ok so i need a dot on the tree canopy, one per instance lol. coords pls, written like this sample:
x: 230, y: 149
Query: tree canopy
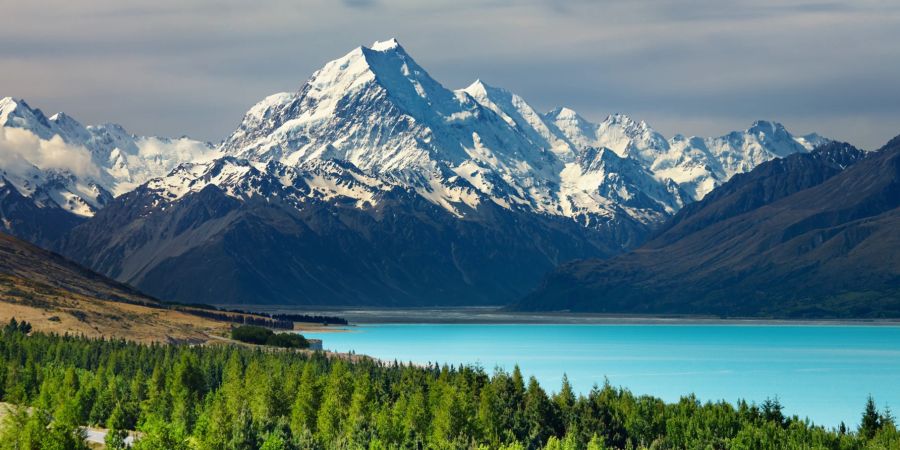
x: 238, y: 397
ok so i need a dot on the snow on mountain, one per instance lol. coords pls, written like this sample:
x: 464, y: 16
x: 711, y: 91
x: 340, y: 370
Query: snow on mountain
x: 378, y: 110
x: 50, y: 172
x: 520, y: 115
x: 701, y: 164
x: 602, y: 177
x: 58, y: 162
x: 16, y: 113
x: 617, y: 132
x: 243, y: 180
x: 131, y: 160
x: 374, y: 120
x: 742, y: 151
x: 696, y: 164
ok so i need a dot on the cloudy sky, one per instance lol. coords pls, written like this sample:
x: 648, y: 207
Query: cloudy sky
x: 701, y: 67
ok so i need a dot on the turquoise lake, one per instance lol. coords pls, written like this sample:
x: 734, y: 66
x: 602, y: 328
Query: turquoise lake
x: 824, y: 373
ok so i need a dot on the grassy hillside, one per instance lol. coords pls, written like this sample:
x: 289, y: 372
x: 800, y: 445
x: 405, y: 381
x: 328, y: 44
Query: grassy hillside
x: 56, y: 295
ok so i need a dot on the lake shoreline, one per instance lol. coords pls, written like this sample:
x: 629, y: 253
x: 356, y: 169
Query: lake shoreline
x: 498, y: 316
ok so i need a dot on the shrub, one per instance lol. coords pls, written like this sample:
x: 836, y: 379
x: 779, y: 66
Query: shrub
x: 252, y: 334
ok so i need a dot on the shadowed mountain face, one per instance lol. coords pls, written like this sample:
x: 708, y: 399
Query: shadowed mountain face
x: 23, y: 218
x: 810, y: 235
x: 265, y: 250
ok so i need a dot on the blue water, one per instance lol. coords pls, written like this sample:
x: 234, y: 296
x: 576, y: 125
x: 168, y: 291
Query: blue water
x: 824, y: 373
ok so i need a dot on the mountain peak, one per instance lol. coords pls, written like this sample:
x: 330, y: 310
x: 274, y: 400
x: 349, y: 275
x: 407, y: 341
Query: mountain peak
x: 620, y: 119
x: 383, y: 46
x: 396, y: 74
x: 564, y: 113
x: 7, y: 106
x: 385, y: 62
x: 480, y: 89
x: 8, y: 102
x: 15, y: 112
x: 63, y: 119
x: 766, y: 126
x: 477, y: 85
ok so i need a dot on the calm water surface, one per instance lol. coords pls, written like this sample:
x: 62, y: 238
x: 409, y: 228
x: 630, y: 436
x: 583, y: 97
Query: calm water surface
x: 820, y: 372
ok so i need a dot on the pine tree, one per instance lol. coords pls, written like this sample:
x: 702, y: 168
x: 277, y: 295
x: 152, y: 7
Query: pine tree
x: 773, y: 411
x: 157, y: 434
x: 116, y: 434
x: 274, y: 440
x: 359, y: 418
x: 887, y: 417
x: 596, y: 443
x: 565, y: 402
x: 186, y: 391
x: 540, y: 415
x: 335, y: 403
x: 871, y: 420
x: 306, y: 405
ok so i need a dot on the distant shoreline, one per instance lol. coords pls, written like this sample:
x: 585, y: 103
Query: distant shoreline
x: 498, y: 316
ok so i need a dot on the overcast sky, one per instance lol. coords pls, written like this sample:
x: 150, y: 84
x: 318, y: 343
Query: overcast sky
x: 697, y: 67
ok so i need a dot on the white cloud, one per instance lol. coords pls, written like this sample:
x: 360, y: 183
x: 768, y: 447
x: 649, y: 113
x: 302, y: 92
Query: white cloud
x: 20, y: 149
x: 176, y: 150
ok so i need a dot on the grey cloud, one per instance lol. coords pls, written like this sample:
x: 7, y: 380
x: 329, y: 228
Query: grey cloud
x: 691, y: 66
x: 360, y: 3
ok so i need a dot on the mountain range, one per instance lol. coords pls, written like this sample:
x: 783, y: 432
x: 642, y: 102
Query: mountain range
x: 56, y: 172
x: 372, y: 184
x: 809, y: 235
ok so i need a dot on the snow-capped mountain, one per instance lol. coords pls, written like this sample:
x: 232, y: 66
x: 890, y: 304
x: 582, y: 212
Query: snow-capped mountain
x: 696, y: 164
x: 377, y: 109
x: 373, y: 183
x: 122, y: 160
x: 56, y: 163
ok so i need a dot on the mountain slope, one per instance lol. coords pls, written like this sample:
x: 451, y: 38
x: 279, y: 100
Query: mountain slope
x: 798, y: 237
x: 28, y: 219
x: 767, y: 183
x: 24, y: 261
x: 56, y: 295
x: 273, y: 235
